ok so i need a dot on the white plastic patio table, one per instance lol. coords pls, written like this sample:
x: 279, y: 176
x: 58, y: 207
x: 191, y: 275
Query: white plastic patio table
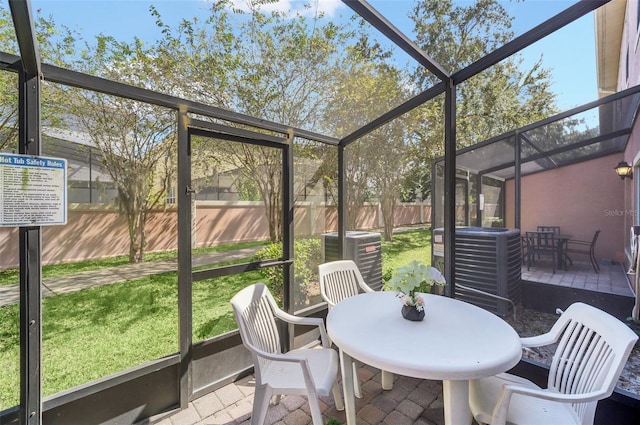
x: 455, y: 342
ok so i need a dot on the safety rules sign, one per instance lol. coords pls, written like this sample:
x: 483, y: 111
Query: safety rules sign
x: 33, y: 190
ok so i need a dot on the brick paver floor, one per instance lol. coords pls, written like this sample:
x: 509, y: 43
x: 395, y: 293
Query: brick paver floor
x: 411, y: 401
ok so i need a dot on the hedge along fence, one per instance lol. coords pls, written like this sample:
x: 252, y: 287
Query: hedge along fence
x: 96, y: 231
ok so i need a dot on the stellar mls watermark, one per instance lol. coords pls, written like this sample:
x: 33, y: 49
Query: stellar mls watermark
x: 619, y: 213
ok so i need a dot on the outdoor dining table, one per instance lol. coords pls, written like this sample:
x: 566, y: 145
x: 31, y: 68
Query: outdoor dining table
x: 456, y: 342
x: 562, y: 240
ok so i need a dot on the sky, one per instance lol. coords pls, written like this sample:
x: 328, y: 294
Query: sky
x: 570, y: 52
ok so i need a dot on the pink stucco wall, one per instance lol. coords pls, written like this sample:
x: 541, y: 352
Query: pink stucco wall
x: 99, y: 231
x: 629, y: 76
x: 90, y: 232
x: 581, y: 199
x: 632, y: 156
x: 217, y: 222
x: 410, y: 214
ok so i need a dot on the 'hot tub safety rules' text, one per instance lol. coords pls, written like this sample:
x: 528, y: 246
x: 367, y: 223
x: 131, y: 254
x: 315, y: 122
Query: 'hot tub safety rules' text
x: 33, y: 190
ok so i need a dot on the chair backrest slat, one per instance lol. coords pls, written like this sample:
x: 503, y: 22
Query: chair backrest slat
x: 590, y: 355
x: 542, y: 241
x: 586, y: 368
x: 341, y: 284
x: 573, y: 356
x: 554, y: 229
x: 339, y: 280
x: 261, y: 326
x: 254, y: 308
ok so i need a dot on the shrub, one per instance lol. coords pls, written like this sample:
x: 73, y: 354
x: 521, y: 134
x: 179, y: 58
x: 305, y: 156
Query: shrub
x: 387, y: 270
x: 305, y: 264
x: 273, y: 275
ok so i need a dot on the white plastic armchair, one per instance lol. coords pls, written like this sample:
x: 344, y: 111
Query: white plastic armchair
x: 339, y: 280
x: 593, y: 348
x: 306, y: 371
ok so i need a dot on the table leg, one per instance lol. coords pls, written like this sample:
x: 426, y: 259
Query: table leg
x: 387, y: 380
x: 346, y: 364
x: 456, y: 402
x: 562, y: 258
x: 559, y: 255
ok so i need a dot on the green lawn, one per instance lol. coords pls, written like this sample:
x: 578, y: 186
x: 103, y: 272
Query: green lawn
x: 12, y: 276
x: 95, y: 332
x: 406, y: 247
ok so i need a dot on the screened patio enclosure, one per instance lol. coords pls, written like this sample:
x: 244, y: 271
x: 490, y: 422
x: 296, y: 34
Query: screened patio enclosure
x: 594, y: 130
x: 198, y: 361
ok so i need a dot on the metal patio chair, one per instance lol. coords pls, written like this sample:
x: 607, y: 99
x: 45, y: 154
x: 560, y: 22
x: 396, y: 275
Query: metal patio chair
x: 543, y: 243
x: 586, y: 248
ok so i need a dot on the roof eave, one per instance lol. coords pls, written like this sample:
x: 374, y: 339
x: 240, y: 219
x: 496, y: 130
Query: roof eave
x: 609, y: 26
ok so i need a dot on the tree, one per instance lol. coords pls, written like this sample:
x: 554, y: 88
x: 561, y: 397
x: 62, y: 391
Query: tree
x: 375, y: 168
x: 382, y: 159
x: 56, y: 46
x: 390, y: 169
x: 262, y: 166
x: 197, y: 58
x: 137, y: 140
x: 500, y: 99
x: 8, y: 111
x: 350, y: 97
x: 281, y: 70
x: 137, y: 143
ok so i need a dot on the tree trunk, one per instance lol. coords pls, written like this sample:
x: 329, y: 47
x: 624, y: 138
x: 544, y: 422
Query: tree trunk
x: 136, y: 217
x: 388, y: 218
x: 135, y: 240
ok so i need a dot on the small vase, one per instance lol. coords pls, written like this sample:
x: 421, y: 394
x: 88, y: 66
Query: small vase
x: 411, y: 313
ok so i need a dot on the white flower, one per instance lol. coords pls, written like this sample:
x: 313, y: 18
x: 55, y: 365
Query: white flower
x: 411, y: 279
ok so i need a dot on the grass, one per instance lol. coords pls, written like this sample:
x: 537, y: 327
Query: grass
x: 136, y: 321
x: 405, y: 247
x: 123, y: 325
x: 12, y: 276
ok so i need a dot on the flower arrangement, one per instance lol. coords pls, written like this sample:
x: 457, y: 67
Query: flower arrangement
x: 411, y: 279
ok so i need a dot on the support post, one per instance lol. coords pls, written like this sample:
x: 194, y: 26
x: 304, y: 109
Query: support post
x: 30, y: 265
x: 185, y: 291
x: 517, y: 183
x: 342, y: 201
x: 449, y: 186
x: 29, y: 143
x: 288, y: 299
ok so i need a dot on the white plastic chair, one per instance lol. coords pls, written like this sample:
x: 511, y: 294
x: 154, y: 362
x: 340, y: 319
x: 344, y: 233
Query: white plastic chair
x: 593, y: 348
x: 339, y: 280
x: 306, y: 371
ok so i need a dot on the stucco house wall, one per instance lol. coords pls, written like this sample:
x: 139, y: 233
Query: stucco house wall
x: 629, y: 76
x: 581, y: 199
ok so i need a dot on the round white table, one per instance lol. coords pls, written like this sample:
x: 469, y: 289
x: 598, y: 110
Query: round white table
x: 455, y: 342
